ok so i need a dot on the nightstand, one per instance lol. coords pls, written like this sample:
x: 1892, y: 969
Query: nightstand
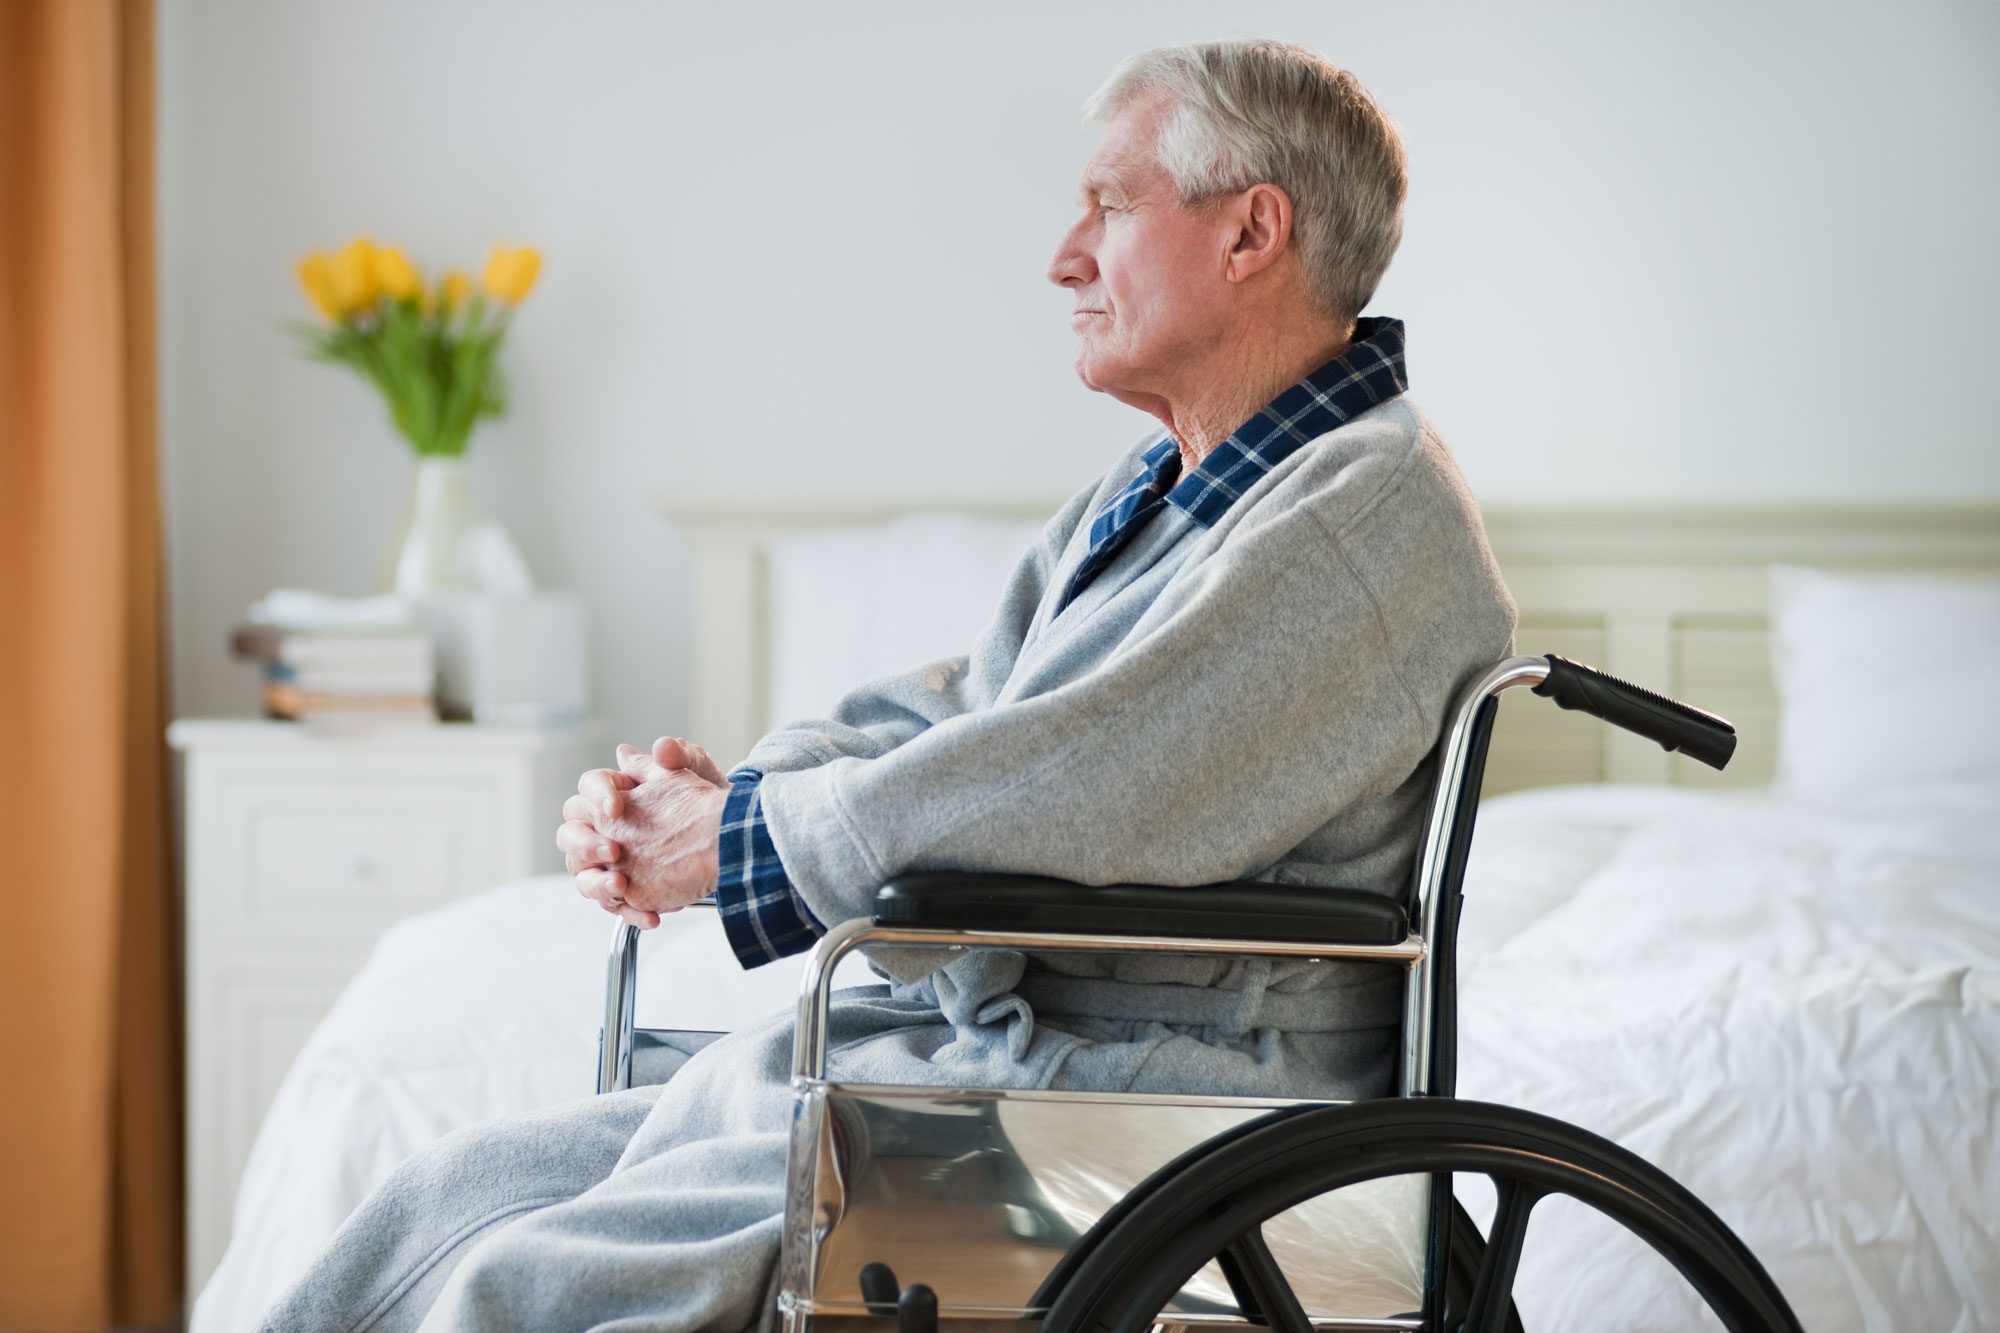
x: 302, y: 848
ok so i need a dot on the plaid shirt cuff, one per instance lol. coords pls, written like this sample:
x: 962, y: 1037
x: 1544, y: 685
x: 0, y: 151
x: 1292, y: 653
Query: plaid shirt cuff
x: 762, y: 914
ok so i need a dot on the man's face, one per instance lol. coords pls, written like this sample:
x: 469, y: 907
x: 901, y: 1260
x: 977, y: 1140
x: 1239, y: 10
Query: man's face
x: 1146, y: 273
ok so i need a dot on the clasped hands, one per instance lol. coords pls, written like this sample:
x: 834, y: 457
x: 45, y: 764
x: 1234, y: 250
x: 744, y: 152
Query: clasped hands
x: 644, y: 838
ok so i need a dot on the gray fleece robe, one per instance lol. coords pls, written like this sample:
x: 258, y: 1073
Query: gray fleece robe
x: 1257, y: 699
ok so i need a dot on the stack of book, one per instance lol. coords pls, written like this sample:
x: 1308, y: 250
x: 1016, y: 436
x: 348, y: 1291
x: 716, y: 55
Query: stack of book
x: 360, y: 676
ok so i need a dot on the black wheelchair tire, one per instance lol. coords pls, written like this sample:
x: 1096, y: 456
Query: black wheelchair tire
x: 1209, y: 1203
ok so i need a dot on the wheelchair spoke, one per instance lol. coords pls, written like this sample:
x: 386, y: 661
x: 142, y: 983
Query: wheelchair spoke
x: 1487, y: 1311
x: 1259, y: 1284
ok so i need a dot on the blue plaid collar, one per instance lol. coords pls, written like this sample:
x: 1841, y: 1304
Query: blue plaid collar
x: 1370, y: 371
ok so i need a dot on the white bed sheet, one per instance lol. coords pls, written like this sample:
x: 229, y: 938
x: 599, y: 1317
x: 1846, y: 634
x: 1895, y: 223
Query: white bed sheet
x: 1794, y: 1010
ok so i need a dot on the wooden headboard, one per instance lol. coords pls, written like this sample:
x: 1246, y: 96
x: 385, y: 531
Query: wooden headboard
x: 1670, y: 596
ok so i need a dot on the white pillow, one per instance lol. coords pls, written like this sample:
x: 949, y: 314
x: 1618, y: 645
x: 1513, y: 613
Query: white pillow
x: 852, y: 603
x: 1884, y: 681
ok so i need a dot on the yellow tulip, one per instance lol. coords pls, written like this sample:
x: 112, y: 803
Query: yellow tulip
x: 453, y: 290
x: 396, y: 275
x: 355, y: 282
x: 511, y: 274
x: 316, y: 276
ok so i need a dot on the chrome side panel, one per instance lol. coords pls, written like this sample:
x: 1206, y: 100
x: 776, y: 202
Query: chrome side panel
x: 979, y: 1193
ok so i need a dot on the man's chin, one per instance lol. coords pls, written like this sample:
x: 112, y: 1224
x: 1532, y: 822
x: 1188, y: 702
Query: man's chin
x: 1095, y: 375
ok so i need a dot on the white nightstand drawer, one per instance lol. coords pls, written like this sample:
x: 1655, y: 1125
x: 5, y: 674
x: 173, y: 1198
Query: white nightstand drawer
x: 300, y: 852
x: 400, y: 851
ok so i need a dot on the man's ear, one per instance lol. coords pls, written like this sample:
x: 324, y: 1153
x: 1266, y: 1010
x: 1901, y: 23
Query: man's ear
x: 1262, y: 229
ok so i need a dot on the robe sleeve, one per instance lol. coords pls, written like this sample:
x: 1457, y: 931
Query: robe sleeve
x: 763, y: 915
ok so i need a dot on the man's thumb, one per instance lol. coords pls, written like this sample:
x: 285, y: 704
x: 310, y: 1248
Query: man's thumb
x: 633, y: 760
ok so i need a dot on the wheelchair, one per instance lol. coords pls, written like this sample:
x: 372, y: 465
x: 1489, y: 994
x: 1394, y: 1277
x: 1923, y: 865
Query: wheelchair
x: 1105, y: 1213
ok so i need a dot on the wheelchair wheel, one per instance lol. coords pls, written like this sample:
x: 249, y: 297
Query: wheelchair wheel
x: 1211, y: 1204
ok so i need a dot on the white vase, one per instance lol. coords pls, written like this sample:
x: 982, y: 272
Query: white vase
x: 443, y: 514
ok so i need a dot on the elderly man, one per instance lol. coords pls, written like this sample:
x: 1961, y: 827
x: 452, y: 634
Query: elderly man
x: 1230, y: 658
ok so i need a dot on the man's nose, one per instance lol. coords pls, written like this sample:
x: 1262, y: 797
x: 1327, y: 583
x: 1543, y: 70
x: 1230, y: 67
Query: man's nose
x: 1072, y: 266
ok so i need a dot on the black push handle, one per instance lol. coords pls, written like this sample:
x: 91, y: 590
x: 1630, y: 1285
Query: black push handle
x: 1675, y: 725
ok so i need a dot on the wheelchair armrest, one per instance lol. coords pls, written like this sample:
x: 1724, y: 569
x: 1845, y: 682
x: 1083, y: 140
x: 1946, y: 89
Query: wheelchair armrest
x: 1248, y: 910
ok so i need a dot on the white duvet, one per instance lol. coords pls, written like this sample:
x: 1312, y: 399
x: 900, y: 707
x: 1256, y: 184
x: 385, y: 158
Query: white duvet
x: 1793, y: 1009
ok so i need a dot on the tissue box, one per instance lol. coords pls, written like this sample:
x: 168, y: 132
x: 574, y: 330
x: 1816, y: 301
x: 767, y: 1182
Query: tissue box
x: 510, y: 661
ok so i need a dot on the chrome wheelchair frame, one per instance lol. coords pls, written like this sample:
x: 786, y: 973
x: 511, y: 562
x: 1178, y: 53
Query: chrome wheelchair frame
x: 1209, y: 1210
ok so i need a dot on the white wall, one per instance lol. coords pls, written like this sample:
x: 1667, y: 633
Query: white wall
x: 1697, y: 251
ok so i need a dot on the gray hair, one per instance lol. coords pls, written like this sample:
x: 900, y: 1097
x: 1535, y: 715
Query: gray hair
x: 1244, y: 113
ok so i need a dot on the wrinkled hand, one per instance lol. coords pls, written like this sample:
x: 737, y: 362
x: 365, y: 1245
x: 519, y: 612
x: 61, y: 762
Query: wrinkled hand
x: 643, y: 839
x: 604, y: 788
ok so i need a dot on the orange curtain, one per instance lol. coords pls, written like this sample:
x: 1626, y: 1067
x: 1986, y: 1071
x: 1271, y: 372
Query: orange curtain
x: 89, y: 1030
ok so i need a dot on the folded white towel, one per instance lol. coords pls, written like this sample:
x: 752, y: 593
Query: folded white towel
x: 295, y: 608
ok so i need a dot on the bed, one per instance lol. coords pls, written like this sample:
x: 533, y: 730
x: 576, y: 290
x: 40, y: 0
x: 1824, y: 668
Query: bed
x: 1785, y: 992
